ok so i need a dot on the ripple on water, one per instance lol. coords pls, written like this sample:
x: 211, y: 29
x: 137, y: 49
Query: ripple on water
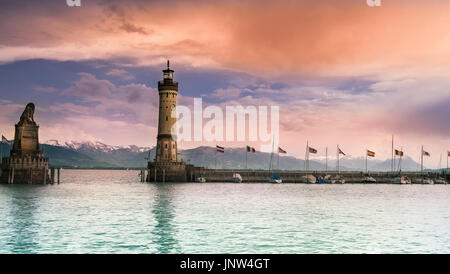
x: 111, y: 212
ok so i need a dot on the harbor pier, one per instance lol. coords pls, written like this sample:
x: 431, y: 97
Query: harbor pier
x: 191, y: 174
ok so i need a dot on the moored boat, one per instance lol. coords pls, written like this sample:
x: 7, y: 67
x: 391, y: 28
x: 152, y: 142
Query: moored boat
x: 440, y: 181
x: 201, y: 179
x: 424, y: 181
x: 339, y: 179
x: 329, y: 180
x: 320, y: 180
x: 369, y: 180
x: 237, y: 178
x: 400, y: 180
x: 308, y: 179
x: 275, y: 179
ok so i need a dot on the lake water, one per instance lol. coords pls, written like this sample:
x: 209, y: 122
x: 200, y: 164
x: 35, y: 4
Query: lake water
x: 112, y: 212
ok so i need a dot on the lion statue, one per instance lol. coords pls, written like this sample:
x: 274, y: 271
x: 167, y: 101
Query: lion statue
x: 27, y: 115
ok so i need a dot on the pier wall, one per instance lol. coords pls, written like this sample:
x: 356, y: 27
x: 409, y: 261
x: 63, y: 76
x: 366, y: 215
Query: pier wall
x: 191, y: 173
x: 295, y: 176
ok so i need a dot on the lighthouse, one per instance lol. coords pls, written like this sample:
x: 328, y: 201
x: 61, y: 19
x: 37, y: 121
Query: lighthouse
x: 166, y: 167
x: 166, y: 148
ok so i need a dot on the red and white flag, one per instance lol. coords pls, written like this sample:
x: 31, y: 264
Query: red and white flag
x: 341, y: 152
x: 425, y: 153
x: 312, y: 150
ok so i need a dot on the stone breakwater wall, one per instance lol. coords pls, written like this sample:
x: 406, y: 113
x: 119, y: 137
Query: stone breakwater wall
x: 260, y: 176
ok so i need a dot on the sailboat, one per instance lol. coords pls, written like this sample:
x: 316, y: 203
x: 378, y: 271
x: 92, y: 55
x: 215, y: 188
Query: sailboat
x: 308, y: 178
x: 274, y: 178
x: 399, y: 178
x: 439, y: 180
x: 338, y: 179
x: 424, y: 179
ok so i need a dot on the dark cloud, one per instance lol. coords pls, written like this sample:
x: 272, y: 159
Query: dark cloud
x: 129, y: 27
x: 89, y: 87
x: 427, y: 119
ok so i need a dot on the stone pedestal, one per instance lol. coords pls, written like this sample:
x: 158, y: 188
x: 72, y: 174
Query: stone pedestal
x: 25, y: 170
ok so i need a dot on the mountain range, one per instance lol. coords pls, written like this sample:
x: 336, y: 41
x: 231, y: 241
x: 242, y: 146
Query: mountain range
x: 99, y: 155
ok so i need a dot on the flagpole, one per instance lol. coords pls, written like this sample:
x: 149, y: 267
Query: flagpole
x: 304, y: 164
x: 326, y: 159
x: 337, y: 167
x: 1, y: 151
x: 366, y: 158
x: 215, y: 161
x: 421, y: 162
x: 392, y: 154
x: 246, y: 163
x: 307, y: 154
x: 246, y: 158
x: 278, y: 161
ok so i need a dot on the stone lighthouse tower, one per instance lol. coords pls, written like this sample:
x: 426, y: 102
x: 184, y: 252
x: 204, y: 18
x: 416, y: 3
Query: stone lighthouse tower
x: 166, y: 166
x: 166, y: 148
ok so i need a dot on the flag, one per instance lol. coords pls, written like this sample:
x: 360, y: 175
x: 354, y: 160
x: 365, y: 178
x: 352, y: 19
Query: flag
x: 341, y: 152
x: 399, y: 153
x: 280, y: 150
x: 448, y: 153
x: 251, y: 149
x: 425, y: 153
x: 4, y: 139
x: 220, y: 149
x: 312, y: 150
x: 370, y: 153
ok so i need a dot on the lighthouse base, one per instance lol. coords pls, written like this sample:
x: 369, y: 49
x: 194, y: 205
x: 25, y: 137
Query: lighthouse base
x: 168, y: 172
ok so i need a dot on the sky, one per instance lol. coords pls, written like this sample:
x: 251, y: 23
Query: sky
x: 341, y: 72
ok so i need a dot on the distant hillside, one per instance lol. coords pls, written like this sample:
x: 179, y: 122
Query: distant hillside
x: 234, y: 158
x: 99, y: 155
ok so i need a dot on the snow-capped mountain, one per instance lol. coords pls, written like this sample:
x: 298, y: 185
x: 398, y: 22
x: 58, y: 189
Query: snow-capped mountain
x: 95, y: 146
x: 100, y: 155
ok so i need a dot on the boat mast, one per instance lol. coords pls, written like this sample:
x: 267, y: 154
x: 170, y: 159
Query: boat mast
x: 392, y: 154
x: 271, y: 154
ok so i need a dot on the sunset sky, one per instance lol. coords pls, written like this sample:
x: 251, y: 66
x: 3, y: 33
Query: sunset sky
x: 340, y: 71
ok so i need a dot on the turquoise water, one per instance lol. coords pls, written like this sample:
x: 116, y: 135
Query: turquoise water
x: 111, y: 212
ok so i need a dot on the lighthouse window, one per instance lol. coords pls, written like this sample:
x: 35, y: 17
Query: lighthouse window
x: 167, y: 94
x: 167, y: 118
x: 166, y: 145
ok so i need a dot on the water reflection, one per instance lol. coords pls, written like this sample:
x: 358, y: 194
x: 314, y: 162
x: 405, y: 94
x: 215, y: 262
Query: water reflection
x: 164, y: 232
x: 22, y: 221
